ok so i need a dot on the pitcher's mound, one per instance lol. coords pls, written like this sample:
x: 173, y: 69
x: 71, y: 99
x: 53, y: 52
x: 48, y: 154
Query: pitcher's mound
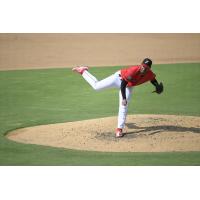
x: 144, y: 133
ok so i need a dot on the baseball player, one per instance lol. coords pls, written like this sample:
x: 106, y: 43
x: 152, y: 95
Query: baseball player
x: 125, y: 80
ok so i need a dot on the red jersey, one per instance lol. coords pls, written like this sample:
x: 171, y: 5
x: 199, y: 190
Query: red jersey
x: 133, y: 76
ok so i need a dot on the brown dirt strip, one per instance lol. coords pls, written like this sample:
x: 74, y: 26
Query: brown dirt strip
x: 33, y: 51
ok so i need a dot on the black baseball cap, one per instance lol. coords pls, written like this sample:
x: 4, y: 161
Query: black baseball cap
x: 147, y: 62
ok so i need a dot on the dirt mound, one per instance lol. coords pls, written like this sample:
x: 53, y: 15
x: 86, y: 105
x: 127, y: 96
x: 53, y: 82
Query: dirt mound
x: 144, y: 133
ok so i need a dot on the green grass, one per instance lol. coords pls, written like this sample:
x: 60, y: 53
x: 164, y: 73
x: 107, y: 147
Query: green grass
x: 32, y: 97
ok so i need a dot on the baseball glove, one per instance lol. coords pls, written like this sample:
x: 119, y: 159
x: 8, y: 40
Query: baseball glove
x: 159, y: 88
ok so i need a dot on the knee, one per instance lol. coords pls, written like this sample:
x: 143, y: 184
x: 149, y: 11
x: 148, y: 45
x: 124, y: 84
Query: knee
x: 96, y: 87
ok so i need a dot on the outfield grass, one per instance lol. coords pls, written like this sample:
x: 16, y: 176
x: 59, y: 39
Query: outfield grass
x: 32, y: 97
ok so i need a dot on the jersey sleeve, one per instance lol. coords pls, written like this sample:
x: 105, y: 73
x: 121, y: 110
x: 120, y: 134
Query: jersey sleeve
x: 153, y: 76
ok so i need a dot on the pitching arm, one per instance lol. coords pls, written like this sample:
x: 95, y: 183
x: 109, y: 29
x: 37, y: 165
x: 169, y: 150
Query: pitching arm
x: 123, y: 91
x: 154, y: 82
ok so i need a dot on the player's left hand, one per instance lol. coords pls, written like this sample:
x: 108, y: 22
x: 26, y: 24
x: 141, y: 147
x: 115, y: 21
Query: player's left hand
x: 159, y: 88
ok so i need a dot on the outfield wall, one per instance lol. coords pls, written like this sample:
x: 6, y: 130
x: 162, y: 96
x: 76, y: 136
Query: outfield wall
x: 19, y: 51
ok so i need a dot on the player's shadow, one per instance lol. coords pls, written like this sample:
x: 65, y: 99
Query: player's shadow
x: 158, y: 129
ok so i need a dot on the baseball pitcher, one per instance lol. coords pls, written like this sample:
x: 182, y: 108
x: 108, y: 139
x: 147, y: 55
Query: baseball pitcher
x: 125, y: 80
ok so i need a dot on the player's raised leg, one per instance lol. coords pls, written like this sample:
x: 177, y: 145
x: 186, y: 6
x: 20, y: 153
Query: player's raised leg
x: 109, y: 82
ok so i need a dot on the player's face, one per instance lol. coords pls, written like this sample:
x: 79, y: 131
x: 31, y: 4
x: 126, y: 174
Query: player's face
x: 143, y: 70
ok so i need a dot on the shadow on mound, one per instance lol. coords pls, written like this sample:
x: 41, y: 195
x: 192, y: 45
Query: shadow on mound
x: 157, y: 129
x: 109, y: 136
x: 139, y: 131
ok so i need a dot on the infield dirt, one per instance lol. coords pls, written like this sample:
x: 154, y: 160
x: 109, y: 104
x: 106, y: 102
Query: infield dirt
x: 144, y: 133
x: 32, y: 51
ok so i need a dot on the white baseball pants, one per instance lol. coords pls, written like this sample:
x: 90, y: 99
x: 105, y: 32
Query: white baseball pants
x: 113, y: 81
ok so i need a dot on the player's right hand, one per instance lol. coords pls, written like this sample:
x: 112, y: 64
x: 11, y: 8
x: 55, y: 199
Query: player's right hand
x: 124, y: 102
